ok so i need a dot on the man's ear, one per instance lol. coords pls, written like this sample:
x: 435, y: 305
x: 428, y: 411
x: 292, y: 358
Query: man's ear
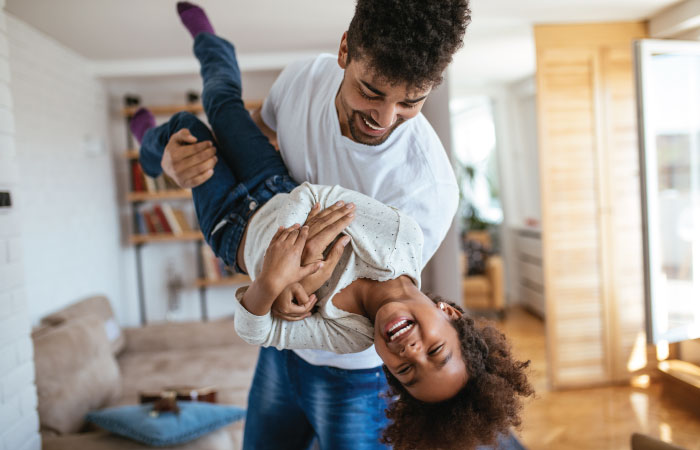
x: 451, y: 312
x: 343, y: 51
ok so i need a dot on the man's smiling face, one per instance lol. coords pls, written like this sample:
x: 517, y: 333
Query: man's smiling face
x: 369, y: 107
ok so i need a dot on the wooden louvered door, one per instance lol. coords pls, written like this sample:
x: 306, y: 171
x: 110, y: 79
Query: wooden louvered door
x: 591, y: 228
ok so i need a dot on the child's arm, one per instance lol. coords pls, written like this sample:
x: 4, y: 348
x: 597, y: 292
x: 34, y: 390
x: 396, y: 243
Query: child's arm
x: 325, y: 227
x: 281, y: 267
x: 315, y: 332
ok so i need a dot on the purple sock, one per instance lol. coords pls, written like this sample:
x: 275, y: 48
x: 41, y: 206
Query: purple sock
x: 142, y: 121
x: 194, y: 18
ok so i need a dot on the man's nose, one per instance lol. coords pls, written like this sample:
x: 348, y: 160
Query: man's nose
x: 385, y: 115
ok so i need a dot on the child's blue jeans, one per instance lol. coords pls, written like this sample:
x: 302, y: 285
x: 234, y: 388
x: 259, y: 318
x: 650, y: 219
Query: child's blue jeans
x: 291, y: 402
x: 249, y: 170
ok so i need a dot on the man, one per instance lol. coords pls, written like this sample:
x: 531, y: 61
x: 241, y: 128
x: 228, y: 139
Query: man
x: 355, y: 121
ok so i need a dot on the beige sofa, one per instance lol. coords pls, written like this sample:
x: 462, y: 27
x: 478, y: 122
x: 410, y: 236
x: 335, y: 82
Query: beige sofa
x: 84, y: 361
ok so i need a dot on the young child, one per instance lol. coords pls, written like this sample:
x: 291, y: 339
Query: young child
x: 454, y: 383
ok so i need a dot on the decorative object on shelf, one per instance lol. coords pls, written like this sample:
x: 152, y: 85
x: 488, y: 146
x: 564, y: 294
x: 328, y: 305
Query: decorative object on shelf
x: 192, y: 97
x: 181, y: 393
x: 175, y: 285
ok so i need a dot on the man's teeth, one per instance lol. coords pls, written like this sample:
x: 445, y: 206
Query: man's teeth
x: 372, y: 126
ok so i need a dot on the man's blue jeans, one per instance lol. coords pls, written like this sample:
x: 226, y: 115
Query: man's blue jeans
x: 249, y: 170
x: 292, y: 401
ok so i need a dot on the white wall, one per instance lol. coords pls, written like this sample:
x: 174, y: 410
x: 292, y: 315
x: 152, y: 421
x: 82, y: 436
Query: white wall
x: 441, y: 276
x: 19, y: 422
x: 66, y: 192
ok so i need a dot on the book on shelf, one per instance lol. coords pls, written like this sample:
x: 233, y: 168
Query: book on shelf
x: 180, y: 217
x: 140, y: 182
x: 137, y: 181
x: 214, y: 268
x: 161, y: 219
x: 172, y: 220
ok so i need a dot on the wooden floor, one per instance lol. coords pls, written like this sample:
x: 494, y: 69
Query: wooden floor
x: 600, y: 418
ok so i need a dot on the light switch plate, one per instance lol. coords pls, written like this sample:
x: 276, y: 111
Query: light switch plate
x: 5, y: 199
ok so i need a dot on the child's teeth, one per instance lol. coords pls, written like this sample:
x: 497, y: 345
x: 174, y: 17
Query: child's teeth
x: 402, y: 331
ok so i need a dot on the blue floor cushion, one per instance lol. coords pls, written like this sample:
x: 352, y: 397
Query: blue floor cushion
x: 195, y: 419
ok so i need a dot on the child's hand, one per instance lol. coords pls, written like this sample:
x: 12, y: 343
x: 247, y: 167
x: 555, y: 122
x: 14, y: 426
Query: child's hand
x: 293, y: 303
x: 324, y: 227
x: 282, y: 263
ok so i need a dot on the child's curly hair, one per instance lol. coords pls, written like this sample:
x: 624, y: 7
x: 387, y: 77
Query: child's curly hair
x: 487, y: 406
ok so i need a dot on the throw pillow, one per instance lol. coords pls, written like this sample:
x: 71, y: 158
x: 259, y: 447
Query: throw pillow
x: 76, y: 372
x: 195, y: 419
x: 98, y: 306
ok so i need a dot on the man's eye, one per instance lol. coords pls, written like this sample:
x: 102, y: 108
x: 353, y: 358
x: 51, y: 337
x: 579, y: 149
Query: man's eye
x: 436, y: 350
x: 409, y: 105
x: 367, y: 96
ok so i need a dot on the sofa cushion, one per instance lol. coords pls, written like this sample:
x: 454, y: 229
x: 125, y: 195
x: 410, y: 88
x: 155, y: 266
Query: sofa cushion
x: 98, y: 306
x: 76, y: 372
x: 194, y: 419
x: 181, y: 335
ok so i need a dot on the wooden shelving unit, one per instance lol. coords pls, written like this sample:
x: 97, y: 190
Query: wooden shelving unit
x: 156, y: 196
x: 166, y: 237
x: 138, y: 198
x: 228, y: 281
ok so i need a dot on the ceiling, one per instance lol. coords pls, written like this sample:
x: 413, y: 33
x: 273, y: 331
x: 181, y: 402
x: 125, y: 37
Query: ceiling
x: 498, y: 48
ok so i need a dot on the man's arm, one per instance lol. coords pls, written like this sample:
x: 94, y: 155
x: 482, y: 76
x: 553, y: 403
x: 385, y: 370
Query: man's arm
x: 190, y: 163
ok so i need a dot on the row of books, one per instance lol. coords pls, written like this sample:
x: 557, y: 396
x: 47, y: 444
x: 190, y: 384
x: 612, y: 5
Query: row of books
x: 214, y: 268
x: 140, y: 182
x: 161, y: 219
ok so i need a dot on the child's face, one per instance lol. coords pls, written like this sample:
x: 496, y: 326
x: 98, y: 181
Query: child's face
x: 421, y: 348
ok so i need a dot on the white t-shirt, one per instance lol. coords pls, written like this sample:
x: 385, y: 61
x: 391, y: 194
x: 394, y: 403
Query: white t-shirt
x: 409, y: 171
x: 384, y: 245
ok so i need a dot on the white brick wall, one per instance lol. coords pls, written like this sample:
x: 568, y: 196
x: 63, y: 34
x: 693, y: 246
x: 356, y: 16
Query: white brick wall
x: 19, y: 422
x: 66, y: 196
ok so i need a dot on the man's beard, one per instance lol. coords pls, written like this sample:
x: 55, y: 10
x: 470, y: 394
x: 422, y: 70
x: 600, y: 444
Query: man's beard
x: 359, y: 136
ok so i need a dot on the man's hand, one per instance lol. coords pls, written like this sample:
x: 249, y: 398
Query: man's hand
x: 188, y: 162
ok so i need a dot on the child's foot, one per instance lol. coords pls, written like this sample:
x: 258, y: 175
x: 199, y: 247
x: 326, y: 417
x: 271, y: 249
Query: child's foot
x: 142, y: 121
x: 194, y: 18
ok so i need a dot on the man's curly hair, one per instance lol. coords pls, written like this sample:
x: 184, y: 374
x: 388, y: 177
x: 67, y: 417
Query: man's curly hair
x: 408, y: 41
x: 488, y: 405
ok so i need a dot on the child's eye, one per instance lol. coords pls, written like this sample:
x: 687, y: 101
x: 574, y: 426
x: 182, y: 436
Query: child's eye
x: 436, y: 350
x: 409, y: 105
x: 404, y: 369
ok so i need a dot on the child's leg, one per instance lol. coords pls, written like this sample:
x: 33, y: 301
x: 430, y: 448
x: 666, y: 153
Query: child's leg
x: 215, y: 199
x: 152, y: 148
x: 247, y: 151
